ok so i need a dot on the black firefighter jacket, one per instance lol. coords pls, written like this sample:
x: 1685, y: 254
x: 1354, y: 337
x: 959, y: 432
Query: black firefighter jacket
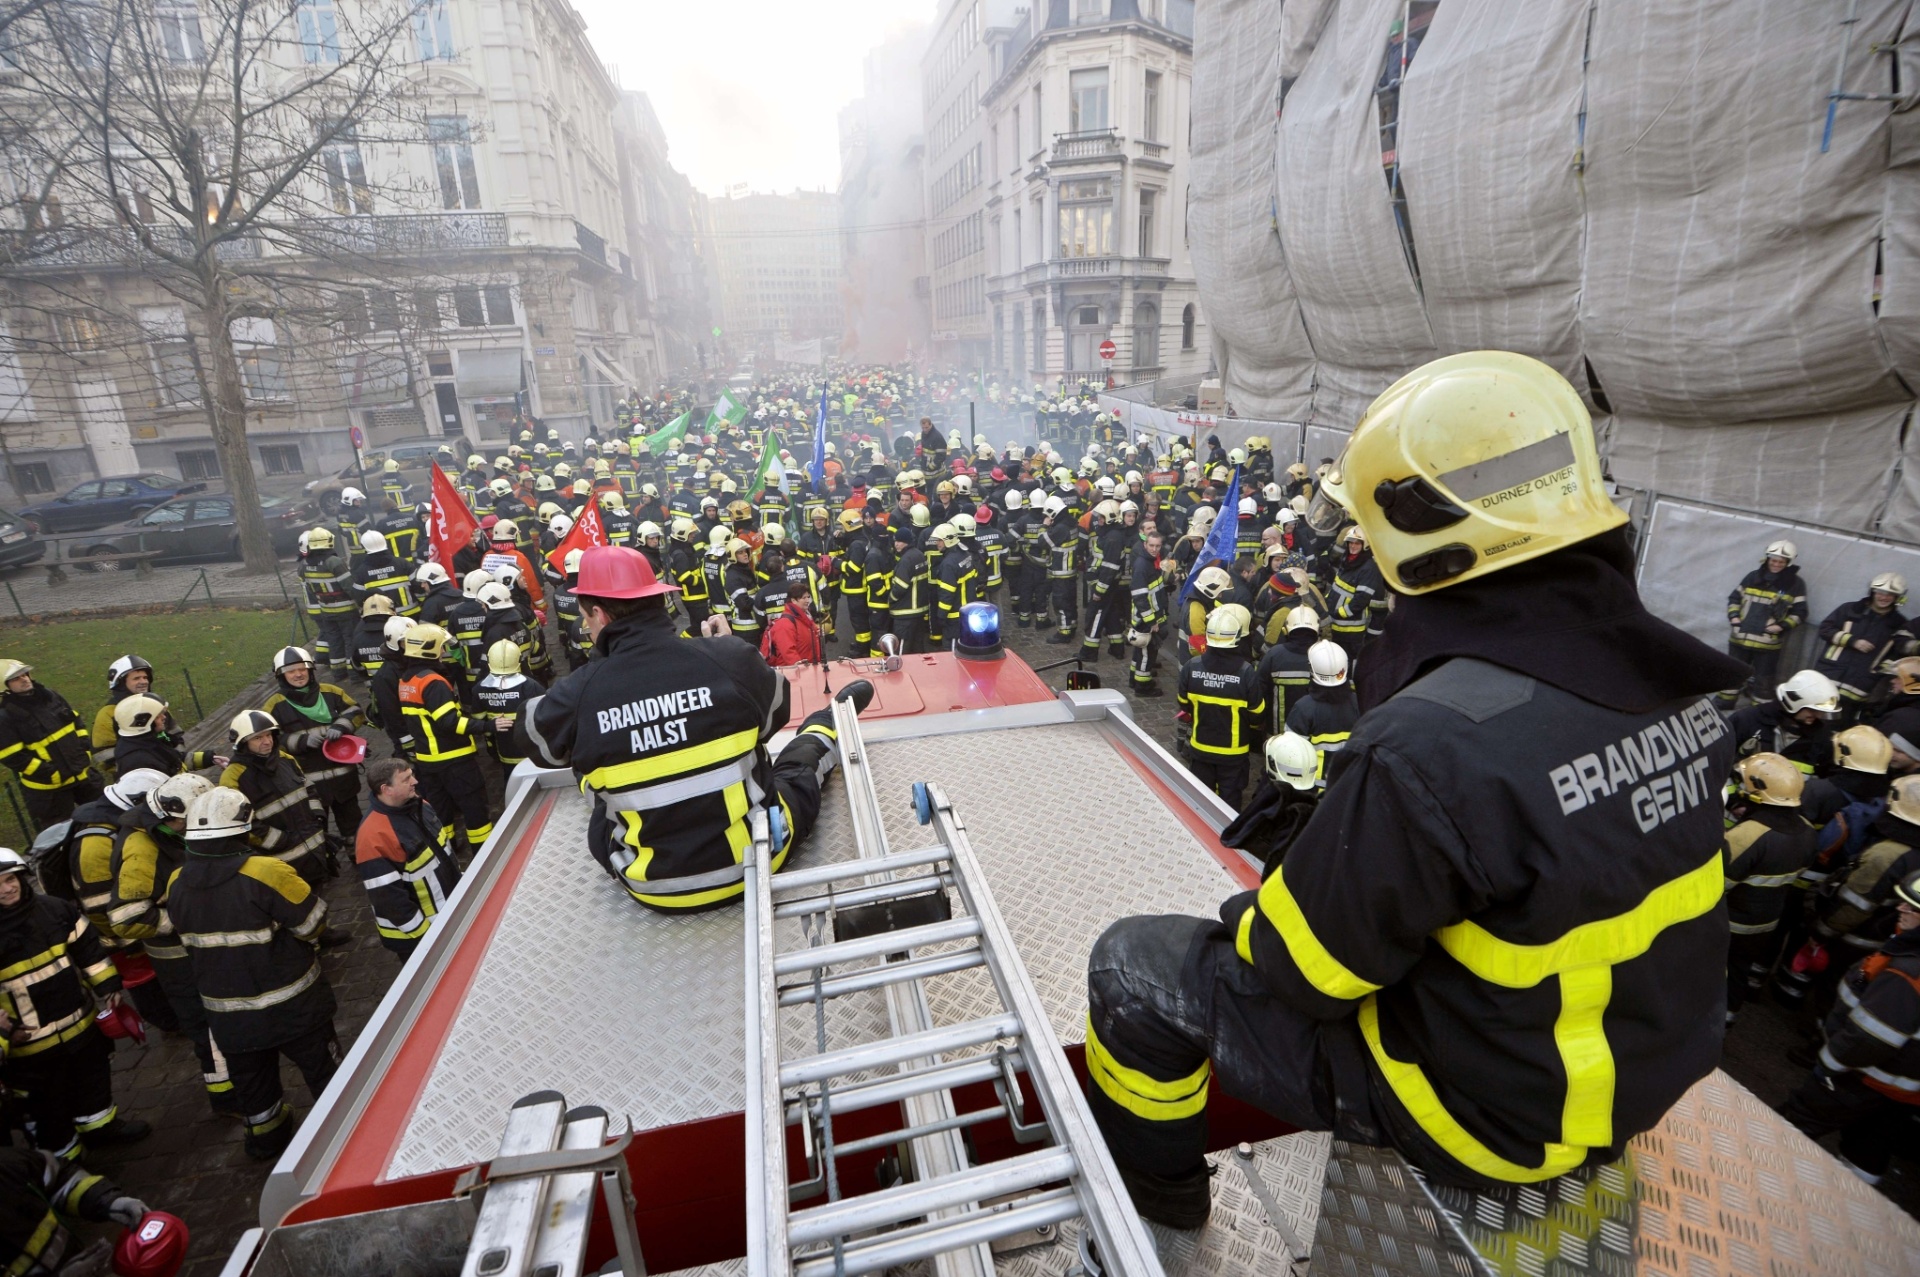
x: 1874, y: 1028
x: 670, y: 735
x: 251, y: 926
x: 1534, y: 953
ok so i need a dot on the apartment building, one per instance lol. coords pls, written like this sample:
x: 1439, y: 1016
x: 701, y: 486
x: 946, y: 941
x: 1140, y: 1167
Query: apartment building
x: 779, y: 265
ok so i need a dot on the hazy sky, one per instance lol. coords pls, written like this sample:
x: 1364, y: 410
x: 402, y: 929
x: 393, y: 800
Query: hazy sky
x: 747, y: 90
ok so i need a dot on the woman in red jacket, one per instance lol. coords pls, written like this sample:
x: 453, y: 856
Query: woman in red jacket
x: 793, y: 636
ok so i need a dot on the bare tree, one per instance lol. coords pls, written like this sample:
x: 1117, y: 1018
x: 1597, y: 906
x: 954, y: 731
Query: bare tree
x: 218, y: 150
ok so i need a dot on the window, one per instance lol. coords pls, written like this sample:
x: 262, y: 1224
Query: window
x: 198, y: 465
x: 467, y: 310
x: 263, y: 365
x: 499, y: 300
x: 1086, y: 218
x: 169, y: 515
x: 281, y: 458
x: 383, y: 310
x: 319, y: 31
x: 1148, y: 199
x: 347, y: 176
x: 452, y: 143
x: 1186, y: 327
x: 171, y: 354
x: 1013, y: 139
x: 1039, y: 338
x: 1039, y: 130
x: 1087, y: 100
x: 426, y: 308
x: 1087, y: 316
x: 179, y: 24
x: 433, y: 31
x: 31, y: 478
x: 1019, y: 243
x: 1089, y: 11
x: 1150, y: 109
x: 216, y: 510
x: 1146, y: 335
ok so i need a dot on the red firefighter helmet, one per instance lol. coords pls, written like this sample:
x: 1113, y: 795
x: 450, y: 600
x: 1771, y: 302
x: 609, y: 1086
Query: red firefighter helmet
x: 346, y: 751
x: 120, y: 1021
x: 616, y: 572
x: 154, y: 1247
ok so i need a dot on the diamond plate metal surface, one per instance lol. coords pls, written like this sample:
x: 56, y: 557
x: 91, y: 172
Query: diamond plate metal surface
x: 1238, y: 1238
x: 1722, y: 1185
x: 574, y: 960
x: 1061, y: 871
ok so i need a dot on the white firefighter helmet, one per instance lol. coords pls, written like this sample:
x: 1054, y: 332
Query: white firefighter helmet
x: 1104, y: 484
x: 508, y: 575
x: 1248, y: 506
x: 648, y: 530
x: 1292, y: 761
x: 430, y: 574
x: 123, y: 666
x: 495, y: 597
x: 1213, y: 581
x: 1108, y: 510
x: 1201, y: 521
x: 12, y: 862
x: 1783, y: 550
x: 288, y: 657
x: 774, y: 534
x: 1224, y: 627
x: 1809, y: 689
x: 500, y: 488
x: 1328, y: 661
x: 395, y: 630
x: 218, y: 813
x: 470, y: 583
x: 942, y: 535
x: 1890, y: 583
x: 560, y: 524
x: 372, y: 542
x: 1014, y: 501
x: 249, y: 723
x: 138, y: 715
x: 1303, y: 618
x: 132, y: 789
x: 506, y: 530
x: 352, y: 496
x: 571, y: 563
x: 170, y: 799
x: 503, y: 657
x: 1054, y: 506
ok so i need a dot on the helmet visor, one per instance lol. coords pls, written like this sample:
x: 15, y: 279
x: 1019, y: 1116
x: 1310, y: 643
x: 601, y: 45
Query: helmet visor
x: 1325, y: 513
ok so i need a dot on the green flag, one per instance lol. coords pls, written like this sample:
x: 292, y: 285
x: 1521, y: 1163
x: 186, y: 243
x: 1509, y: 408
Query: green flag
x: 668, y: 435
x: 727, y: 410
x: 764, y: 473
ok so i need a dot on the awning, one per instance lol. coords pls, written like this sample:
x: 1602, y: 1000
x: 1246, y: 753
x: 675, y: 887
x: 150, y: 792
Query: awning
x: 487, y: 374
x: 608, y: 373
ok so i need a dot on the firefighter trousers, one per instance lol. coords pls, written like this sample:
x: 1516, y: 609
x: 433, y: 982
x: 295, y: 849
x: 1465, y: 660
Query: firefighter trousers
x: 66, y: 1091
x: 912, y: 632
x: 175, y: 978
x: 334, y: 644
x: 457, y: 792
x: 1171, y: 1009
x: 1225, y: 774
x: 1106, y: 619
x: 1869, y: 1123
x: 256, y: 1084
x: 1064, y: 600
x: 1765, y: 663
x: 1749, y: 962
x: 50, y: 806
x: 1141, y: 660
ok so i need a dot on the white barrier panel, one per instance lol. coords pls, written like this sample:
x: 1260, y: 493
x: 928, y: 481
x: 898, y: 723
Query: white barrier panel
x: 1695, y: 555
x: 1323, y: 443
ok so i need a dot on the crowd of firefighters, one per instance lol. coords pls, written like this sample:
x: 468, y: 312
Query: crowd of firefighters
x: 187, y: 886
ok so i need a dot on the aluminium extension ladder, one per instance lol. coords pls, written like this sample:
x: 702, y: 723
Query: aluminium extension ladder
x: 950, y: 1211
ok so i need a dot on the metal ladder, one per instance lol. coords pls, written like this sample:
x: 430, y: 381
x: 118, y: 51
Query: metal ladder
x: 950, y: 1211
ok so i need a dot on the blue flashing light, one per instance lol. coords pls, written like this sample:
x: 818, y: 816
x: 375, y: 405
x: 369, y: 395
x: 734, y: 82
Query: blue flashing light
x: 979, y: 637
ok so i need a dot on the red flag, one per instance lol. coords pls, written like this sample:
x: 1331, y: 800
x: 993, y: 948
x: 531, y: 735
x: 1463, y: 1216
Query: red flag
x: 451, y: 525
x: 587, y: 530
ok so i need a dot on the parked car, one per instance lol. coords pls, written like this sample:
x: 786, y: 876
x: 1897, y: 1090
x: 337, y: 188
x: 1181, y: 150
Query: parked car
x: 415, y: 456
x: 18, y: 544
x: 99, y: 502
x: 200, y: 526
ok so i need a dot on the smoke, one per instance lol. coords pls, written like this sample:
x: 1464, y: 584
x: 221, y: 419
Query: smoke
x: 882, y: 199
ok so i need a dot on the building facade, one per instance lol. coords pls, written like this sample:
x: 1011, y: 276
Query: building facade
x: 883, y: 208
x: 1085, y: 193
x: 779, y: 265
x: 527, y: 231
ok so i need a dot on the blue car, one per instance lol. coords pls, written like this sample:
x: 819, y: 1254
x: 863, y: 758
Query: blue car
x: 98, y: 502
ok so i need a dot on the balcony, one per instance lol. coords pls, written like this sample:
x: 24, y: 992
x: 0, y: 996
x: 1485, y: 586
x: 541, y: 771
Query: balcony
x: 65, y: 248
x: 1090, y: 146
x: 401, y: 233
x: 592, y: 247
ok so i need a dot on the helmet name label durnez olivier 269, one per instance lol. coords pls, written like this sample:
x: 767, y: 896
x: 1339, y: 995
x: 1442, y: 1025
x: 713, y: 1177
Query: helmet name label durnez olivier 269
x: 640, y: 718
x: 1674, y: 748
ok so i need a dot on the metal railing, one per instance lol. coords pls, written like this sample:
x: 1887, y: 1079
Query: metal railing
x: 591, y: 245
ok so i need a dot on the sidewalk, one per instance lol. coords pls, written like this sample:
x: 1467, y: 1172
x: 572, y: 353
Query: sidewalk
x: 27, y: 594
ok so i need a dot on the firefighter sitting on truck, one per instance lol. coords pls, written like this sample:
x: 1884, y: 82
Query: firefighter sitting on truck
x: 1490, y: 947
x: 670, y: 735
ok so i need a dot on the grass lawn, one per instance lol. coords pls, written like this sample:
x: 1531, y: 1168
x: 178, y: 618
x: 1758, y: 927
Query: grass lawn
x: 221, y: 649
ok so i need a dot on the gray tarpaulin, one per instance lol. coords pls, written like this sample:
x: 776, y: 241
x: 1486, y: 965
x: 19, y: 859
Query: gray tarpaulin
x: 1236, y: 254
x: 1356, y: 295
x: 1645, y: 187
x: 1696, y: 554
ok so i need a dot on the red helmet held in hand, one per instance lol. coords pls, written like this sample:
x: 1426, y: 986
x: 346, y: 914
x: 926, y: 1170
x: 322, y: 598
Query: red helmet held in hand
x: 154, y: 1247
